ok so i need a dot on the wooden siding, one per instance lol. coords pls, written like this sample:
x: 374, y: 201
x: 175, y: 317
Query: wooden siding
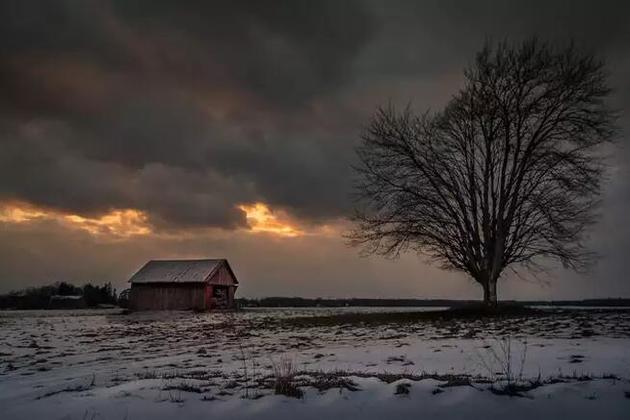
x: 173, y: 296
x: 231, y: 301
x: 215, y: 292
x: 223, y: 276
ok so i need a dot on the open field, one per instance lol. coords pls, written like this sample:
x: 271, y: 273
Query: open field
x: 369, y: 362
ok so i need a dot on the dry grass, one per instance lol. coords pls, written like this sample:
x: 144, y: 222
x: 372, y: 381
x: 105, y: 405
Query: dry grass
x: 284, y: 373
x: 504, y: 360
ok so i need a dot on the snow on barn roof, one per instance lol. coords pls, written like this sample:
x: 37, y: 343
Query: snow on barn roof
x: 179, y: 271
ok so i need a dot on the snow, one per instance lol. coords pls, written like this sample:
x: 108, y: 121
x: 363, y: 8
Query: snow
x: 101, y: 364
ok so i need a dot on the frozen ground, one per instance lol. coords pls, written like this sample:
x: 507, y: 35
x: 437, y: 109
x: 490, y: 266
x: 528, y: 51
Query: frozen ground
x: 105, y: 365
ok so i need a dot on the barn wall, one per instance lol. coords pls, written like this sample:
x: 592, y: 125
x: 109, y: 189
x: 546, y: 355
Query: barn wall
x: 157, y: 296
x: 231, y: 292
x: 223, y: 276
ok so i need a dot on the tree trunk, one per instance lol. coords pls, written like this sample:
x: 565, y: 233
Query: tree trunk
x: 490, y: 294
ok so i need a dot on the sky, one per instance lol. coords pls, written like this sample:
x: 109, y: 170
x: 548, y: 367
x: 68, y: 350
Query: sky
x: 147, y: 129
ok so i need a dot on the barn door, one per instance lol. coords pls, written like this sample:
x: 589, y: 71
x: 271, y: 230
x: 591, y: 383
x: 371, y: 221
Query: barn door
x: 220, y: 294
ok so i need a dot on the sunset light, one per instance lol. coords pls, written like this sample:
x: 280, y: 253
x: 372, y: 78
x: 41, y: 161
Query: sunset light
x: 260, y: 218
x: 122, y: 223
x: 16, y: 213
x: 116, y: 223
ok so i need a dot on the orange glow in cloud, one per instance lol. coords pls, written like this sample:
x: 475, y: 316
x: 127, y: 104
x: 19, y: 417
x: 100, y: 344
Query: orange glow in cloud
x: 260, y: 218
x: 126, y: 223
x: 15, y: 213
x: 117, y: 223
x: 123, y: 223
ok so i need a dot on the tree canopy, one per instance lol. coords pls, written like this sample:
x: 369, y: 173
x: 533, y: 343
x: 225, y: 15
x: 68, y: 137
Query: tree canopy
x: 508, y: 173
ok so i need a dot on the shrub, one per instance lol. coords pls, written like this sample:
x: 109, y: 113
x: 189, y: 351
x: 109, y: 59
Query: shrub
x: 284, y: 374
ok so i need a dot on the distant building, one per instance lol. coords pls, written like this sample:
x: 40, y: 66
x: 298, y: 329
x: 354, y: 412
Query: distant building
x: 183, y: 285
x: 66, y: 302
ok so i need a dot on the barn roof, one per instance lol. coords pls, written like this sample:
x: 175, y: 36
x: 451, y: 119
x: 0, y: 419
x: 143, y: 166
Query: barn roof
x: 179, y: 271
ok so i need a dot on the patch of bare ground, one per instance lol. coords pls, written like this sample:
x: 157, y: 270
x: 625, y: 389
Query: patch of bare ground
x: 467, y: 322
x: 378, y: 318
x: 345, y: 380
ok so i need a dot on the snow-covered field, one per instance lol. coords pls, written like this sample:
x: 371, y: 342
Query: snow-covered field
x: 106, y: 365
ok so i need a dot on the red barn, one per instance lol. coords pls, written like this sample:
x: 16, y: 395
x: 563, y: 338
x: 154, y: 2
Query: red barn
x: 183, y: 285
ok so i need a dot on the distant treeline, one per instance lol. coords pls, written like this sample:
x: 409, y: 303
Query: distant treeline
x: 298, y: 302
x: 65, y: 295
x: 60, y: 295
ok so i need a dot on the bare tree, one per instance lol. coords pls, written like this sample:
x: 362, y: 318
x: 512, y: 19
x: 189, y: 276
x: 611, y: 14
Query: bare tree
x: 508, y: 173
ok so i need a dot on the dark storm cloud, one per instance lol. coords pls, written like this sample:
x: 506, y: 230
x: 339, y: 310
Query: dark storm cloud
x: 284, y: 53
x: 427, y: 38
x: 234, y: 101
x: 215, y: 94
x: 185, y: 109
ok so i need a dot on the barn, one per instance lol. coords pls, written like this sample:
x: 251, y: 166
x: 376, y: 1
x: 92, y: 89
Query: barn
x: 183, y: 285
